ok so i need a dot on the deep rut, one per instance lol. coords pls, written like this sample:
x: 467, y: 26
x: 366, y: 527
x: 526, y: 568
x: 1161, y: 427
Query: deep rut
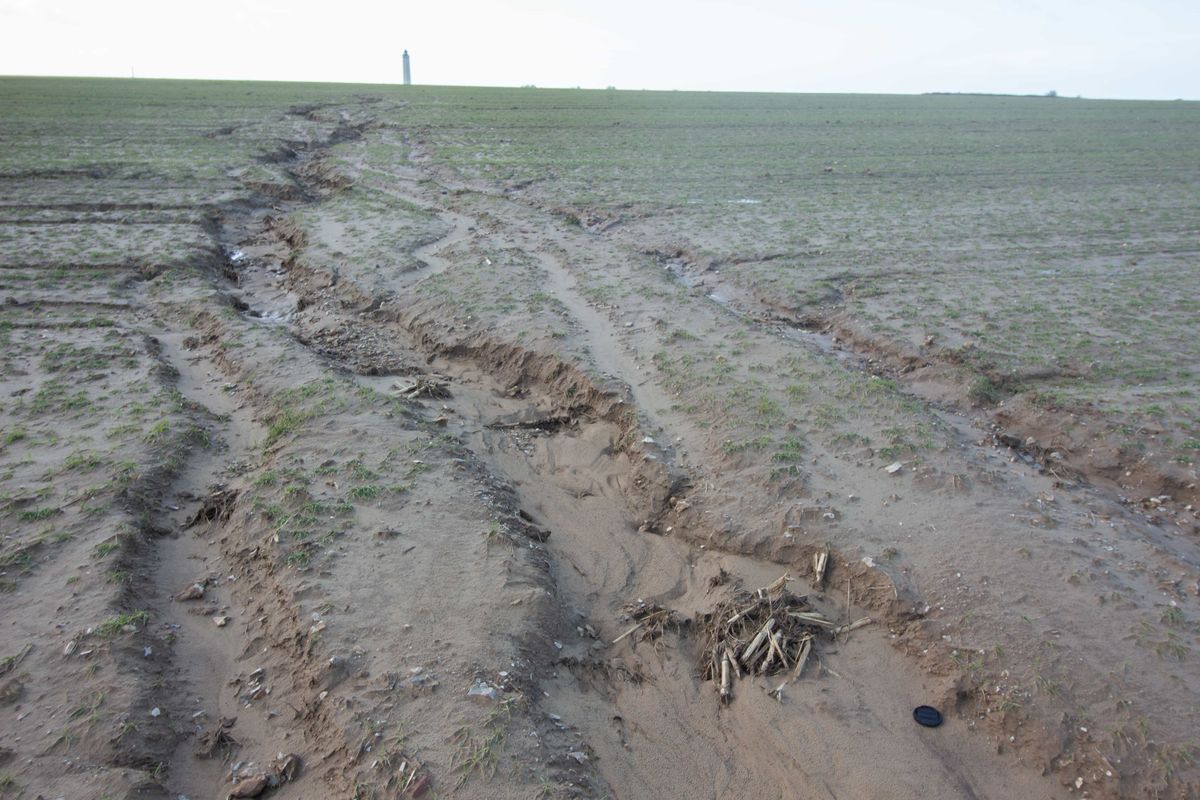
x: 205, y: 657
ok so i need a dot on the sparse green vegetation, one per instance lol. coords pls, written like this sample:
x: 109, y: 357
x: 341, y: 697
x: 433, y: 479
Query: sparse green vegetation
x: 114, y: 625
x: 36, y: 514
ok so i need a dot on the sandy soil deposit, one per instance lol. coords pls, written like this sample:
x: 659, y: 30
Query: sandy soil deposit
x: 350, y: 448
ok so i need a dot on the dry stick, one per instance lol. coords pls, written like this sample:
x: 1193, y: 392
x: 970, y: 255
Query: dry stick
x: 802, y: 657
x: 827, y: 669
x: 778, y: 650
x: 748, y: 654
x: 645, y: 619
x: 779, y: 583
x: 767, y: 659
x: 853, y: 626
x: 820, y: 561
x: 849, y: 583
x: 811, y: 618
x: 626, y: 633
x: 737, y: 671
x: 744, y: 612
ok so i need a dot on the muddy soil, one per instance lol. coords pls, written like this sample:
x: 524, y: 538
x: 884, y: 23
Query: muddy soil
x: 283, y: 521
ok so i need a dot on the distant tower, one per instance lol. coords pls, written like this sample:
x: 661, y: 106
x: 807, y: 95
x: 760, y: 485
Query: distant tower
x: 407, y: 71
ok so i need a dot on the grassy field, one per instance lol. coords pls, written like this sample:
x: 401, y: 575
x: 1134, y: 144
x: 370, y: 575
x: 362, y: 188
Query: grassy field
x: 1051, y: 237
x: 1055, y: 239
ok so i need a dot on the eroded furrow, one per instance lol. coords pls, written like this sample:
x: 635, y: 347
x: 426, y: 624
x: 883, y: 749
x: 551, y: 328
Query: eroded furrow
x: 641, y: 713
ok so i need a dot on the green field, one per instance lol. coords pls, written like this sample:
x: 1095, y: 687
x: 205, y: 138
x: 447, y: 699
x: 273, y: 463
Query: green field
x: 1055, y: 238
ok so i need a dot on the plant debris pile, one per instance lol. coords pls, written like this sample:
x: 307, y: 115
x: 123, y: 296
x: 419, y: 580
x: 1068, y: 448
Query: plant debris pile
x: 767, y: 631
x: 425, y: 387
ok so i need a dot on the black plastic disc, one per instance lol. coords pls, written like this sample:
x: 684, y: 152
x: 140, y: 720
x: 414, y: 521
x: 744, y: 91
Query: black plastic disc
x: 928, y: 716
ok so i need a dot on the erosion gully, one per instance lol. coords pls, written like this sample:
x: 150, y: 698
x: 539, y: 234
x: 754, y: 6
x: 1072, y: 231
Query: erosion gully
x: 666, y: 734
x: 653, y: 727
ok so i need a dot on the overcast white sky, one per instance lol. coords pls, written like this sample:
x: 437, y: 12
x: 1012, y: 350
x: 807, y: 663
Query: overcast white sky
x: 1096, y: 48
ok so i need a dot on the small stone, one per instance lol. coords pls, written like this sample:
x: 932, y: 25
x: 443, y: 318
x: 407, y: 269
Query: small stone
x: 482, y: 689
x: 578, y: 755
x: 221, y: 621
x: 193, y: 592
x: 252, y: 786
x: 288, y: 767
x: 894, y: 467
x: 156, y: 712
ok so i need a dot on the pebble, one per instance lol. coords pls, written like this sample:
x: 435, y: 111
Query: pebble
x: 250, y: 787
x: 193, y: 592
x: 483, y: 689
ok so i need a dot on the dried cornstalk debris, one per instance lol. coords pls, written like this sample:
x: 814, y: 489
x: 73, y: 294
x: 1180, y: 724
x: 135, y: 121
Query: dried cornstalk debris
x: 766, y: 631
x: 424, y: 386
x: 761, y: 632
x: 820, y: 562
x: 853, y: 626
x: 217, y: 507
x: 650, y: 621
x: 802, y: 656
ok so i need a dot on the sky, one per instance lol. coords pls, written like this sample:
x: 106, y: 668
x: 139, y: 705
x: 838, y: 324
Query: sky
x: 1095, y: 48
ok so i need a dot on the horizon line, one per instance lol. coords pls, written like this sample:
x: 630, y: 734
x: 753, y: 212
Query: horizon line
x: 530, y: 86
